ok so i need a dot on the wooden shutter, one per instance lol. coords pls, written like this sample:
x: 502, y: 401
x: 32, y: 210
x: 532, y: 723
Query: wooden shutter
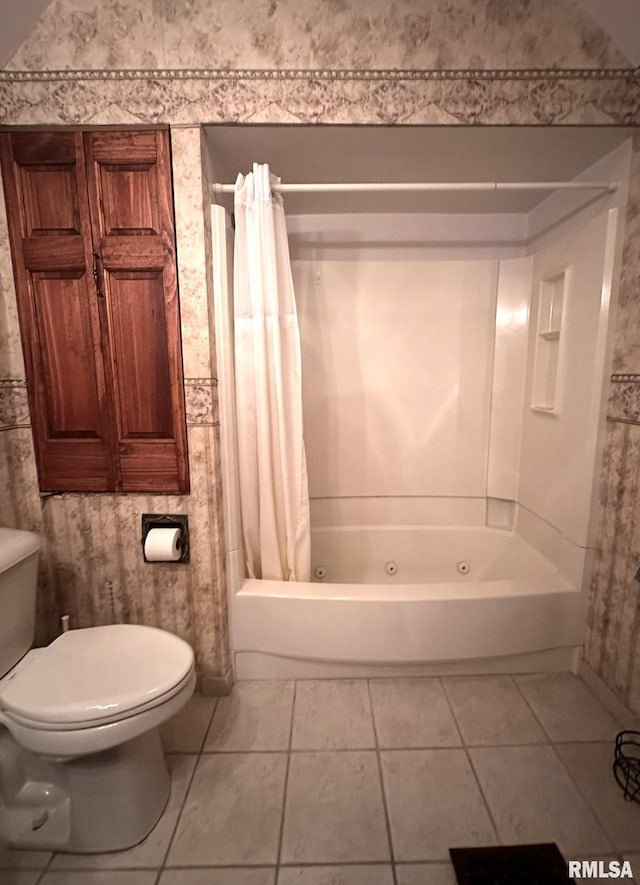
x: 49, y: 228
x: 92, y: 240
x: 129, y: 176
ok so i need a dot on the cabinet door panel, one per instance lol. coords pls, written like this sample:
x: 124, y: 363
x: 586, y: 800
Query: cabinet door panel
x: 126, y: 146
x: 50, y: 199
x: 133, y: 253
x: 48, y: 214
x: 148, y: 464
x: 54, y: 254
x: 136, y: 309
x: 77, y: 468
x: 129, y: 200
x: 132, y: 224
x: 65, y: 337
x: 44, y: 148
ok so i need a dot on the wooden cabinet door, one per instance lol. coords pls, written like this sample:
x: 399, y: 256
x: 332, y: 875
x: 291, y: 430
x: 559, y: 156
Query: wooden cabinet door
x: 129, y: 176
x: 48, y: 215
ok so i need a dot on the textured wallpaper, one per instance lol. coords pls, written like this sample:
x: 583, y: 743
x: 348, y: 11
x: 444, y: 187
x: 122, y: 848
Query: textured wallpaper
x: 613, y: 633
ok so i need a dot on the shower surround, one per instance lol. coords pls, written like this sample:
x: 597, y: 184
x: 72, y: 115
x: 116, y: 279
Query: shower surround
x: 449, y: 511
x: 81, y: 66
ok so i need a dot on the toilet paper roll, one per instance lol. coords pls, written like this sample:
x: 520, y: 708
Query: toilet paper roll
x: 162, y: 545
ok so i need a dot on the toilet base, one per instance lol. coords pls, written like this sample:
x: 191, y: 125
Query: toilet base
x: 117, y: 796
x: 107, y: 801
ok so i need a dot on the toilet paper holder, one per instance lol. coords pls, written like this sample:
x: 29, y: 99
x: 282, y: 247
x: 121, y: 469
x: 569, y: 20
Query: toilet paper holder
x: 167, y: 521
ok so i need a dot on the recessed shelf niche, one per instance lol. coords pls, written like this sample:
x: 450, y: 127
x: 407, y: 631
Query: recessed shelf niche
x: 545, y: 372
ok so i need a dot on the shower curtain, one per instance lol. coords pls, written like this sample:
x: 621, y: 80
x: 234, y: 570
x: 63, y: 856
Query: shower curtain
x: 274, y: 496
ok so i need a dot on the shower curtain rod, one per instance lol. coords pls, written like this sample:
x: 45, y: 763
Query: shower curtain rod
x: 608, y: 186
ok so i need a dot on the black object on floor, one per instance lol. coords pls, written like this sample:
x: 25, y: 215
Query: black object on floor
x: 510, y: 865
x: 626, y: 764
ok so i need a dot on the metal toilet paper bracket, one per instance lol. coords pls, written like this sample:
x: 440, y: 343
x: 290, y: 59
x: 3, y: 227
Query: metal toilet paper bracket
x: 167, y: 521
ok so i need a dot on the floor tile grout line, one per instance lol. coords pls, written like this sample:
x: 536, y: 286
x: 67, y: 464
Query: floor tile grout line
x: 340, y: 863
x: 425, y: 861
x: 530, y: 706
x: 584, y: 798
x: 295, y: 864
x: 393, y: 747
x: 288, y: 865
x: 385, y: 808
x: 72, y: 871
x: 484, y: 797
x: 413, y: 676
x: 443, y: 689
x: 286, y: 780
x: 186, y: 792
x: 179, y: 815
x: 203, y: 746
x: 46, y: 867
x: 208, y: 727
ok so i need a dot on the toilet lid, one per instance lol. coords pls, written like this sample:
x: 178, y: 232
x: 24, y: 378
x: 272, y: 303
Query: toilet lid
x: 93, y: 674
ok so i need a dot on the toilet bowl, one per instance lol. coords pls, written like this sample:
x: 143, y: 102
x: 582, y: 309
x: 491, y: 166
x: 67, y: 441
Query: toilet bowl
x: 81, y: 765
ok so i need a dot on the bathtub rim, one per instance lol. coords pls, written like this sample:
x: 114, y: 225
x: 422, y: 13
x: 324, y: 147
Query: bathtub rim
x: 438, y: 591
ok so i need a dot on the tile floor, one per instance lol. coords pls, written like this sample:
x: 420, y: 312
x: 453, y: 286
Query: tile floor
x: 368, y: 782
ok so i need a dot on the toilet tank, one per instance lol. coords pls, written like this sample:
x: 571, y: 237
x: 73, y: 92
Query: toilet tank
x: 18, y: 580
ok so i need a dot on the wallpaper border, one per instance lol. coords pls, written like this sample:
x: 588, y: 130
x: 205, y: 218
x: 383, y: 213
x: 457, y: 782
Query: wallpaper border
x: 538, y: 74
x: 527, y: 97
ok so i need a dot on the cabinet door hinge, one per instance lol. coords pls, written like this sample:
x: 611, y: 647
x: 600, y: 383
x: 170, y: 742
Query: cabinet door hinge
x: 97, y: 275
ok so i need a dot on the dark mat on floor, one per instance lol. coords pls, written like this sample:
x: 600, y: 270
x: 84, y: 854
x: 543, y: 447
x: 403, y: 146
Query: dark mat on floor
x: 510, y: 865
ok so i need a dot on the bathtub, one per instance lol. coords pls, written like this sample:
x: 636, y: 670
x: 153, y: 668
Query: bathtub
x: 411, y: 595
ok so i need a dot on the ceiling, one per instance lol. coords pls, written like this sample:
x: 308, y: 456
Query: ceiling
x: 18, y: 20
x: 619, y: 18
x: 410, y: 153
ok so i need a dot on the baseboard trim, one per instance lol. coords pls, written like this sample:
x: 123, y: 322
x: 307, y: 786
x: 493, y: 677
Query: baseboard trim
x: 215, y: 686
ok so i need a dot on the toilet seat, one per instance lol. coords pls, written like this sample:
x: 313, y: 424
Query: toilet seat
x: 96, y: 676
x: 38, y: 724
x: 96, y: 688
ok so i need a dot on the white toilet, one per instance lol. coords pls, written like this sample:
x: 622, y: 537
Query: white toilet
x: 81, y: 765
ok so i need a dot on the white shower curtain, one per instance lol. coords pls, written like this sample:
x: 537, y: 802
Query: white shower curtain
x: 274, y: 496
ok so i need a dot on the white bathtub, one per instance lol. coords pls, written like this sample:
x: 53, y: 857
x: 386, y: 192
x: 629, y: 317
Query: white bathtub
x: 512, y: 601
